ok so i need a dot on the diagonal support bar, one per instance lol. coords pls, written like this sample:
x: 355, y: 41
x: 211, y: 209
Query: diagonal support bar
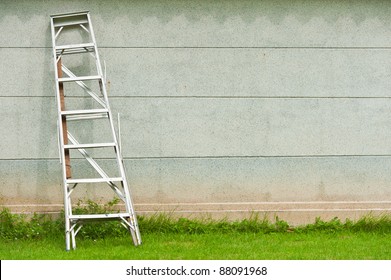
x: 96, y: 166
x: 84, y: 86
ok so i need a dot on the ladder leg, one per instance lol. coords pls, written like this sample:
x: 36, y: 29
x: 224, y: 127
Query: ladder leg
x: 135, y: 232
x: 67, y: 235
x: 73, y: 239
x: 134, y: 237
x: 129, y: 204
x: 72, y: 227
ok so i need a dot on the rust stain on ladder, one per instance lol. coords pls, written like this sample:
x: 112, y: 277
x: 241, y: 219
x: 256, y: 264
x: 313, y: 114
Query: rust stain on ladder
x: 64, y: 121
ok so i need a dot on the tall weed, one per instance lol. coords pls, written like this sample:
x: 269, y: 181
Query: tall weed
x: 14, y: 226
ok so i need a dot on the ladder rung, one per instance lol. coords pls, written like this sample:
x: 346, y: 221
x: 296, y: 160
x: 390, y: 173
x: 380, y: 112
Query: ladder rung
x: 77, y: 48
x: 81, y: 78
x: 70, y: 22
x: 86, y: 146
x: 74, y: 115
x: 99, y: 216
x: 69, y: 19
x: 66, y: 15
x: 87, y: 117
x: 94, y: 180
x: 84, y: 112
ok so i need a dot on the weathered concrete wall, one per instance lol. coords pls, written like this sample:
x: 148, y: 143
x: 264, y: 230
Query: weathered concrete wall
x: 281, y: 107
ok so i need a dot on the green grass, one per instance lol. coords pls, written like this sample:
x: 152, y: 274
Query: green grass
x: 167, y: 238
x: 157, y: 246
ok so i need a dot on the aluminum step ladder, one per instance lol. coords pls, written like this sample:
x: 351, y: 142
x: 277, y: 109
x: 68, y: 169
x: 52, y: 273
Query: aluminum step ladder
x: 81, y: 98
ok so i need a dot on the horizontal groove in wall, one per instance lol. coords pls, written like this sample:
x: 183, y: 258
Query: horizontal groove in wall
x: 223, y: 47
x: 255, y: 156
x: 208, y: 157
x: 269, y: 211
x: 205, y: 97
x: 255, y: 47
x: 218, y: 203
x: 209, y: 211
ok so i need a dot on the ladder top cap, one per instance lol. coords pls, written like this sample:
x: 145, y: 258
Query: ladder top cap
x: 69, y: 14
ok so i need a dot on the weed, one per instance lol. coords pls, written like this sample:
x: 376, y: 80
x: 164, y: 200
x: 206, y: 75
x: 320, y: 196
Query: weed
x: 331, y: 226
x: 97, y: 230
x: 14, y: 226
x: 370, y: 223
x: 91, y: 206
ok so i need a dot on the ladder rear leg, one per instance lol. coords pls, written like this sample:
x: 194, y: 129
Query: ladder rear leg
x: 67, y: 235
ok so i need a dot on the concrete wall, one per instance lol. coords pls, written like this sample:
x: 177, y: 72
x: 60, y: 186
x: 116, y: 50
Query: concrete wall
x: 228, y: 107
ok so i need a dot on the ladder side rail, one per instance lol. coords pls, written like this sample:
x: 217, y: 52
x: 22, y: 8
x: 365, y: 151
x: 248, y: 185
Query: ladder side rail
x: 98, y: 63
x: 104, y: 92
x: 129, y: 203
x: 71, y: 231
x: 61, y: 140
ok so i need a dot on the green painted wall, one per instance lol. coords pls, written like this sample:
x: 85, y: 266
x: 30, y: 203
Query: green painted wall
x: 228, y: 107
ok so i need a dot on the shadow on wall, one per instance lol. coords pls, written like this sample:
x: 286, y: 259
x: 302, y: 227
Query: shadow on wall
x: 276, y: 11
x: 206, y: 23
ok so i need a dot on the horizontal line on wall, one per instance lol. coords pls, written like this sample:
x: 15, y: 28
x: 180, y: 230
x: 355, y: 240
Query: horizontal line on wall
x: 222, y: 47
x: 270, y: 211
x: 253, y: 47
x: 254, y: 156
x: 250, y: 211
x: 217, y: 203
x: 207, y: 97
x: 36, y: 212
x: 230, y: 211
x: 256, y: 97
x: 207, y: 157
x: 235, y: 211
x: 261, y: 203
x: 26, y: 47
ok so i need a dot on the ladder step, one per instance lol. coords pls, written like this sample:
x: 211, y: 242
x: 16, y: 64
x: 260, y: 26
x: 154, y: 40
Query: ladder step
x: 86, y: 146
x: 62, y: 20
x: 77, y: 48
x: 75, y: 21
x: 99, y: 216
x: 67, y: 15
x: 74, y: 115
x: 94, y: 180
x: 84, y: 112
x: 81, y: 78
